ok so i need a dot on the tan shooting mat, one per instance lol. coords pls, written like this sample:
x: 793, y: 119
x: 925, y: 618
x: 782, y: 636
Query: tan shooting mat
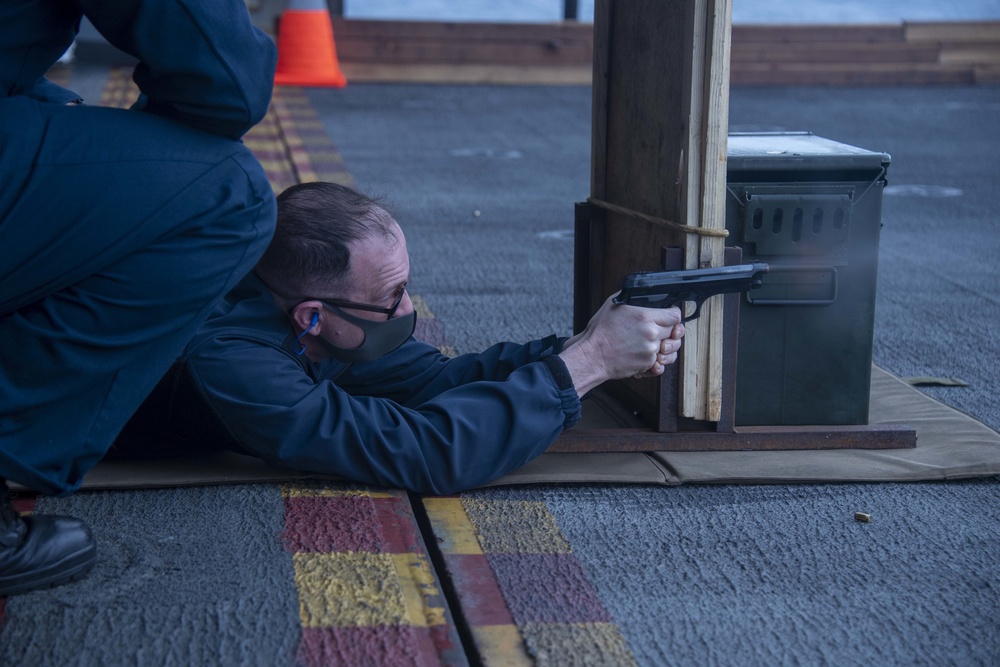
x: 950, y: 445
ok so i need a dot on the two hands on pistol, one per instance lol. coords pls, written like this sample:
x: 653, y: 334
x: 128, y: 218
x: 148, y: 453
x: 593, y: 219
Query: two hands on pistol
x: 637, y: 332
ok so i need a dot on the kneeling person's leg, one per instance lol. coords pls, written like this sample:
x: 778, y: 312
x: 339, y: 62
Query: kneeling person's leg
x: 125, y: 239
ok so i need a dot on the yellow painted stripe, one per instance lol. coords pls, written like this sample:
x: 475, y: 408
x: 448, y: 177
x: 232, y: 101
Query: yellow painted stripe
x: 310, y: 123
x: 326, y: 155
x: 294, y: 141
x: 424, y: 313
x: 448, y: 351
x: 515, y: 526
x: 502, y: 646
x: 419, y: 305
x: 341, y: 178
x: 279, y: 166
x: 314, y: 157
x: 351, y: 589
x: 267, y: 142
x: 588, y: 643
x: 304, y: 491
x: 420, y: 591
x: 360, y: 589
x: 452, y: 526
x: 119, y: 90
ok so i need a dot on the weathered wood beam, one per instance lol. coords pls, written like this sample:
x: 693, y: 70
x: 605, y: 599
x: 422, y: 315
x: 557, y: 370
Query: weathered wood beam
x: 660, y: 121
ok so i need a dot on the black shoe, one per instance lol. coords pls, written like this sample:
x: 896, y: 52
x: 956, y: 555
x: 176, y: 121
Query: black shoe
x: 41, y: 551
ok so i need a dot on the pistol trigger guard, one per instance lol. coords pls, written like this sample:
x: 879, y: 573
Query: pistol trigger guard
x: 694, y: 315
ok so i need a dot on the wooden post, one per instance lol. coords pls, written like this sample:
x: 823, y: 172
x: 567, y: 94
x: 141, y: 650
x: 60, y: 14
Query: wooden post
x: 658, y: 195
x: 660, y: 120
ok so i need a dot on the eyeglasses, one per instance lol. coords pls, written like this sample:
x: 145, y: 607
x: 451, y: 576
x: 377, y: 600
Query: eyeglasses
x: 389, y: 312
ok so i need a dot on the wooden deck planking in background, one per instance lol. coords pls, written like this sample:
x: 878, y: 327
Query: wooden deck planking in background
x: 562, y: 53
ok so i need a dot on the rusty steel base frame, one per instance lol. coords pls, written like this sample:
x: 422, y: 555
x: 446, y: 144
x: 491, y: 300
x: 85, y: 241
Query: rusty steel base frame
x: 742, y: 438
x: 660, y: 428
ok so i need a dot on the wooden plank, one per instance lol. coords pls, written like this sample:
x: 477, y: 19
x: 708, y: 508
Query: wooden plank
x: 645, y: 139
x: 586, y: 230
x: 784, y: 34
x: 460, y: 52
x: 745, y: 438
x: 599, y: 99
x: 705, y: 178
x: 826, y: 52
x: 987, y: 75
x: 977, y: 31
x: 600, y: 79
x: 471, y: 31
x: 695, y: 368
x: 415, y: 42
x: 839, y: 74
x: 854, y: 78
x: 470, y: 74
x: 887, y: 67
x: 670, y: 382
x: 716, y: 132
x: 976, y: 53
x: 426, y: 51
x: 636, y: 144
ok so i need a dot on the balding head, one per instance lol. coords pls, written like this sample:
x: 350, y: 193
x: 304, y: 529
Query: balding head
x: 317, y: 225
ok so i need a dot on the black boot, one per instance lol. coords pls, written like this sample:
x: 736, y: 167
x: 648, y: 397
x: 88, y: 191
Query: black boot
x: 41, y: 551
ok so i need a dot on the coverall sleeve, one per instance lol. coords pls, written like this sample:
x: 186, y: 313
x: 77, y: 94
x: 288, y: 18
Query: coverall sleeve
x: 461, y: 437
x: 200, y: 63
x: 417, y: 371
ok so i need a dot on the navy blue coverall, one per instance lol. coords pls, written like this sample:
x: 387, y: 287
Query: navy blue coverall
x: 413, y: 419
x: 118, y: 229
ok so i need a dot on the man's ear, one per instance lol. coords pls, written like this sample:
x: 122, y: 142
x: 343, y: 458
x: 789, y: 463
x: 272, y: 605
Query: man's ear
x: 306, y: 316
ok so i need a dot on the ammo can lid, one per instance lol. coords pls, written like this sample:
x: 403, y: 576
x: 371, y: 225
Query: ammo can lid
x: 751, y: 151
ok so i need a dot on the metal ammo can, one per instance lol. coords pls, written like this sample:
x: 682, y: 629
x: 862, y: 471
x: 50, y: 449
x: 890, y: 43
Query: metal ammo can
x: 812, y: 209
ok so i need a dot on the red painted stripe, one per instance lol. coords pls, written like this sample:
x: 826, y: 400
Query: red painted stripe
x: 334, y: 524
x: 397, y: 525
x: 331, y: 524
x: 431, y: 332
x: 481, y: 599
x: 379, y: 645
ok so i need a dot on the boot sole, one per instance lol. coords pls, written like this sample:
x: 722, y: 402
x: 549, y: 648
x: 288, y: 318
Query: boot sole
x: 69, y: 569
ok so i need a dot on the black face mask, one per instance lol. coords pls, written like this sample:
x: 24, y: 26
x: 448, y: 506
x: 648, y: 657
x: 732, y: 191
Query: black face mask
x: 381, y: 338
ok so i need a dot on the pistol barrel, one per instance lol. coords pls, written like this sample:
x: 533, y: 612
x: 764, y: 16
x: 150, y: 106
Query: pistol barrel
x: 663, y: 289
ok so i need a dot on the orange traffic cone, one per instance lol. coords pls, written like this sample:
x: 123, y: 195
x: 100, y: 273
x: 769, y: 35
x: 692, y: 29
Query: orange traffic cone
x: 307, y: 55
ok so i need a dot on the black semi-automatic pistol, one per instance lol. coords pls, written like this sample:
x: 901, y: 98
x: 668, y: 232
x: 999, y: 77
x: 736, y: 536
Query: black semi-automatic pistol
x: 664, y: 289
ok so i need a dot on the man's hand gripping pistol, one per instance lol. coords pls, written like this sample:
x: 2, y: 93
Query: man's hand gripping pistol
x: 663, y: 289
